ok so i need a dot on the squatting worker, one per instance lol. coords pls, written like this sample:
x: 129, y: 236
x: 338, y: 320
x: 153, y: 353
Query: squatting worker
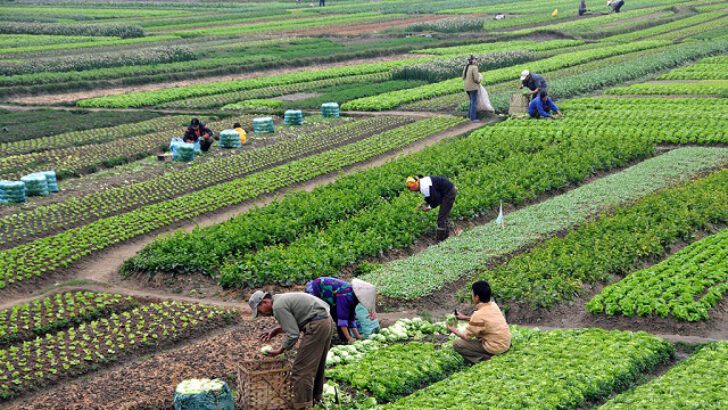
x: 342, y: 298
x: 198, y: 131
x: 239, y: 129
x: 542, y: 107
x: 438, y: 191
x: 616, y: 5
x: 487, y: 333
x: 471, y: 79
x: 299, y: 312
x: 534, y: 82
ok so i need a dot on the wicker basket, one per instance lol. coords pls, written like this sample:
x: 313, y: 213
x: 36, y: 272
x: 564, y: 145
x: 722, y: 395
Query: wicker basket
x: 265, y: 384
x: 518, y: 104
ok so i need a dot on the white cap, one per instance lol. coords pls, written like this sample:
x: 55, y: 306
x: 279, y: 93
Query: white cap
x: 524, y: 74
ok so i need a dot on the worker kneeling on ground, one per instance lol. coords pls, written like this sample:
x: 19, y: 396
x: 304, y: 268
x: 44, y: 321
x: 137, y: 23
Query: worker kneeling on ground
x: 487, y: 333
x: 438, y: 191
x: 542, y: 107
x: 342, y: 299
x: 298, y: 312
x: 198, y: 131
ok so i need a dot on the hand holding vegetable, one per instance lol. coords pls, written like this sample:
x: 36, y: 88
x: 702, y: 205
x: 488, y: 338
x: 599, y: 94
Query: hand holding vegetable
x: 270, y: 351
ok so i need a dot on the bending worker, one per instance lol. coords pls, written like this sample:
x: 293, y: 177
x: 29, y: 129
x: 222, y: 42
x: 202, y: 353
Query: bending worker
x: 487, y: 333
x: 438, y: 191
x: 534, y: 82
x: 616, y: 5
x: 239, y: 129
x: 299, y: 312
x: 198, y: 131
x: 542, y: 106
x: 342, y: 299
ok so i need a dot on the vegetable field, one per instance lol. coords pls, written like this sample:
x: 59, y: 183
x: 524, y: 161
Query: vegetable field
x: 130, y: 241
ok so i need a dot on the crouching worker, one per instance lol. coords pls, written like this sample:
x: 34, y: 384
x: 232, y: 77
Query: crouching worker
x: 343, y: 299
x: 542, y: 107
x: 299, y: 312
x: 487, y: 333
x: 198, y: 131
x: 239, y: 129
x: 438, y: 191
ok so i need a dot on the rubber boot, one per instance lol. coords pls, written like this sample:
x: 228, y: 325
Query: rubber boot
x: 442, y: 234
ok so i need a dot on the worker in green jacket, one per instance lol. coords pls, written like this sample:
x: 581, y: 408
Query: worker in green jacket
x: 298, y: 312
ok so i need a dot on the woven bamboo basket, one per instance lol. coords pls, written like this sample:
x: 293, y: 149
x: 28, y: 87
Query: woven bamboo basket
x: 518, y: 104
x: 265, y: 384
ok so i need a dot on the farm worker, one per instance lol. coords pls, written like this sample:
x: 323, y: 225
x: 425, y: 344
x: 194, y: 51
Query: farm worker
x: 616, y: 5
x: 542, y: 106
x: 471, y: 78
x: 582, y: 7
x: 438, y: 191
x: 198, y: 130
x: 343, y: 299
x: 487, y: 333
x: 298, y: 312
x: 239, y: 129
x: 534, y: 82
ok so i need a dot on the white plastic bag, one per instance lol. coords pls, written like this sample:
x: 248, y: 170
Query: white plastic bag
x: 484, y: 101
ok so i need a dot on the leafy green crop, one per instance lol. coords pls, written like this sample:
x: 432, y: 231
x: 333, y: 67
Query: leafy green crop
x: 700, y: 382
x: 686, y: 285
x: 559, y: 369
x: 428, y: 271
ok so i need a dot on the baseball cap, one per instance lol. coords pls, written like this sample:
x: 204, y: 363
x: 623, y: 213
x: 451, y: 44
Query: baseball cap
x: 255, y: 300
x: 524, y: 74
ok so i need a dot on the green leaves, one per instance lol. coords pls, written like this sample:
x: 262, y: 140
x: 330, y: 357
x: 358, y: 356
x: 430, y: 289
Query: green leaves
x: 686, y: 285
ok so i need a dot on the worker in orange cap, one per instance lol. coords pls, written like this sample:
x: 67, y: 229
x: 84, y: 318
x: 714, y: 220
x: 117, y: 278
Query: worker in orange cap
x: 438, y: 191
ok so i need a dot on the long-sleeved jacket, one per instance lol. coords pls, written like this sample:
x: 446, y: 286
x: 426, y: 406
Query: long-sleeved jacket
x: 539, y: 108
x: 471, y: 76
x: 340, y: 297
x: 192, y: 135
x: 536, y: 81
x: 294, y: 310
x: 434, y: 189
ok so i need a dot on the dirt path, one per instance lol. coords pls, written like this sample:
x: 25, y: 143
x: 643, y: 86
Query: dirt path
x: 69, y: 97
x: 101, y: 270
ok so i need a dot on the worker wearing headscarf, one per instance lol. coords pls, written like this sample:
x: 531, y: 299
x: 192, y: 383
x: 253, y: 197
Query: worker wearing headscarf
x: 438, y: 192
x: 343, y: 298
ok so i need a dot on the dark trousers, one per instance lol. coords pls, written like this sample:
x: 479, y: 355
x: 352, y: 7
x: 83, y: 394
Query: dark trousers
x: 308, y: 367
x: 322, y: 3
x: 443, y: 215
x: 473, y: 109
x: 205, y: 144
x: 617, y: 6
x: 471, y: 350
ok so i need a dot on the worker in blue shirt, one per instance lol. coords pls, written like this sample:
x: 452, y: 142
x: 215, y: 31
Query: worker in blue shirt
x: 534, y: 82
x: 542, y: 106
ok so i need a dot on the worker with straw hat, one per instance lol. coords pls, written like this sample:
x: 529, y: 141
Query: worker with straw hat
x: 438, y: 191
x: 342, y: 298
x: 298, y: 312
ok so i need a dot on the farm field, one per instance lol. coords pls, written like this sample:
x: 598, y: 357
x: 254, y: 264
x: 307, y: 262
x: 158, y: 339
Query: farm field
x: 127, y: 256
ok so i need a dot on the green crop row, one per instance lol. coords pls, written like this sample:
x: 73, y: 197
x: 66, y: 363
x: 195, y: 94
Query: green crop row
x: 686, y: 285
x: 552, y: 163
x: 396, y: 98
x: 699, y: 30
x: 429, y: 271
x: 296, y: 214
x: 615, y: 244
x: 292, y: 144
x: 559, y: 369
x: 45, y: 360
x: 488, y: 48
x: 91, y: 136
x: 698, y: 72
x: 110, y: 30
x: 706, y: 87
x: 219, y: 100
x: 665, y: 28
x: 399, y: 369
x: 443, y: 69
x: 51, y: 253
x: 147, y: 98
x: 29, y: 320
x: 700, y: 382
x: 90, y: 42
x: 76, y: 160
